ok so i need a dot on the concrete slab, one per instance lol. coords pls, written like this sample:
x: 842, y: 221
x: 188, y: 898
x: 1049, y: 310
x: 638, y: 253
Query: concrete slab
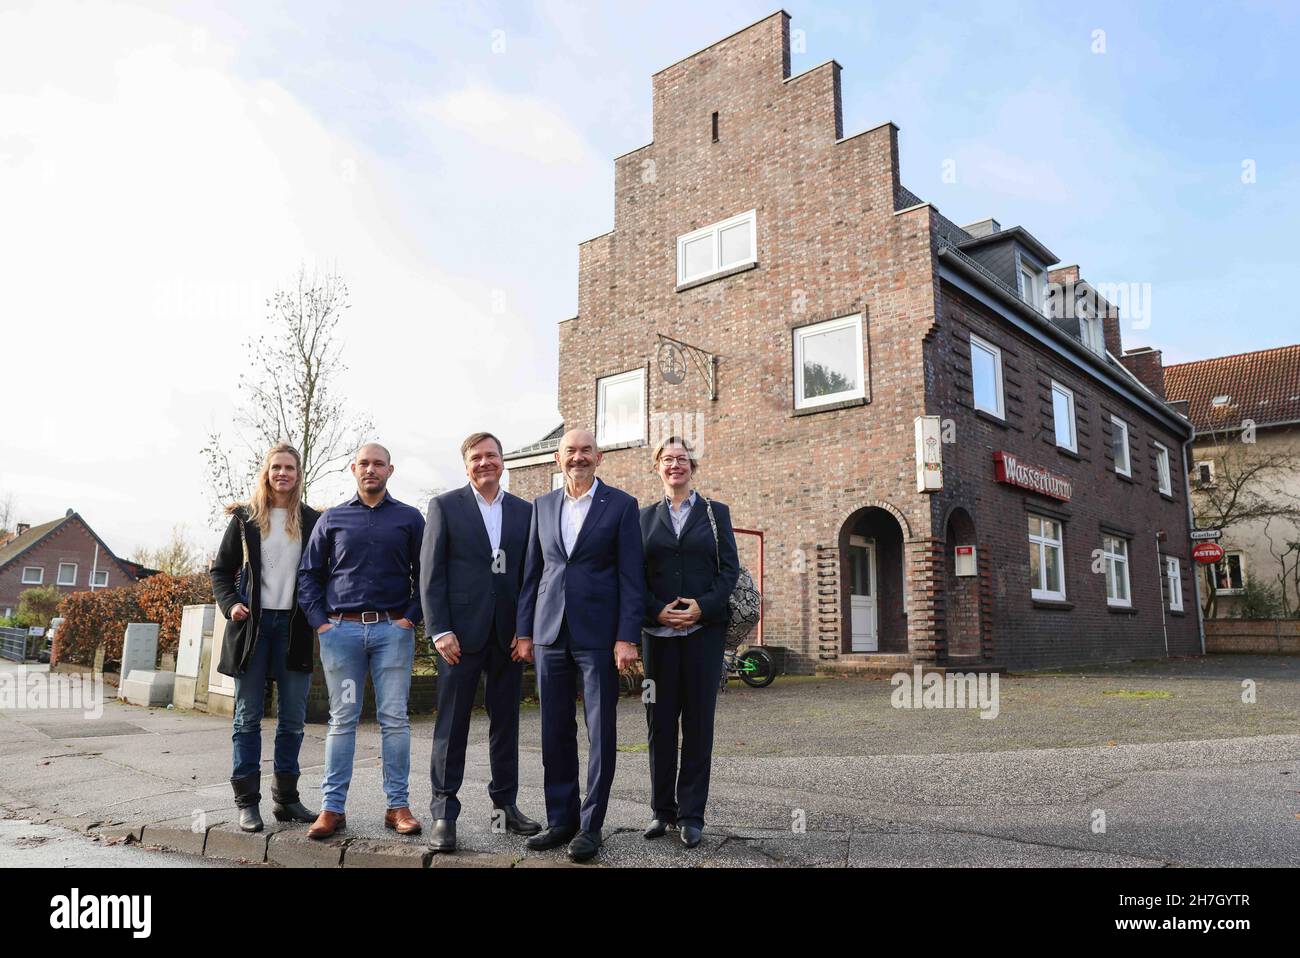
x: 366, y: 853
x: 293, y: 849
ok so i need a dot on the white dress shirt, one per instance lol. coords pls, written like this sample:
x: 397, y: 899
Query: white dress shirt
x: 491, y: 513
x: 573, y: 512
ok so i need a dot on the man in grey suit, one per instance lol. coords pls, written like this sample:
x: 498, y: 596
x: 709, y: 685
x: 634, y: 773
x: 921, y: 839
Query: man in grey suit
x: 471, y: 567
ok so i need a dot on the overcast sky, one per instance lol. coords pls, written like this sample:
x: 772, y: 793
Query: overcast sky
x: 164, y: 167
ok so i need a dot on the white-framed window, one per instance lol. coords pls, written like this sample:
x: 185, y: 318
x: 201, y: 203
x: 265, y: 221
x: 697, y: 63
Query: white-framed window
x: 557, y: 480
x: 620, y: 408
x: 1203, y: 471
x: 1163, y: 480
x: 1228, y: 574
x: 1046, y: 559
x: 67, y: 574
x: 1114, y: 551
x: 98, y: 578
x: 828, y: 362
x: 722, y: 246
x: 1119, y: 446
x: 1063, y: 417
x: 986, y: 377
x: 1031, y: 286
x: 1091, y: 333
x: 1174, y: 578
x: 33, y: 575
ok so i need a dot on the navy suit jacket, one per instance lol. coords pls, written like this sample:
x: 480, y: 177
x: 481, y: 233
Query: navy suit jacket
x: 600, y: 588
x: 692, y: 567
x: 463, y: 585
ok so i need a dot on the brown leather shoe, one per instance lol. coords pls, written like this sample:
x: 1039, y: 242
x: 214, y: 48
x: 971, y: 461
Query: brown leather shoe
x: 402, y: 821
x: 327, y: 824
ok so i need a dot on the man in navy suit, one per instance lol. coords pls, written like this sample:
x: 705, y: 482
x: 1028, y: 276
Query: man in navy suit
x: 580, y: 612
x: 471, y: 565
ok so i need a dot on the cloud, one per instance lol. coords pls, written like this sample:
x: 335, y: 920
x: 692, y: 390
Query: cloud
x: 520, y: 125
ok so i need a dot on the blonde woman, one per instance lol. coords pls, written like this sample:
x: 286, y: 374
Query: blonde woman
x: 267, y: 635
x: 691, y: 567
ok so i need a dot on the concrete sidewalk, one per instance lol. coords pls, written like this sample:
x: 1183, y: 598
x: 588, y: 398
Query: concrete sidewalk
x: 806, y: 772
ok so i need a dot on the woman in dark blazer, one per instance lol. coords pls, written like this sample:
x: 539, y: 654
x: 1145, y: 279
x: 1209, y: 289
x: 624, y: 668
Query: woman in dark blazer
x: 267, y: 635
x: 690, y: 573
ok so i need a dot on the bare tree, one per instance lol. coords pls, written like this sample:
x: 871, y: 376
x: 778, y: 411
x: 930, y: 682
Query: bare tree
x: 8, y: 513
x: 178, y: 556
x: 1246, y: 487
x: 289, y: 393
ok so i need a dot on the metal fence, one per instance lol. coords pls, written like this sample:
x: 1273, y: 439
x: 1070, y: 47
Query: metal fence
x: 13, y: 644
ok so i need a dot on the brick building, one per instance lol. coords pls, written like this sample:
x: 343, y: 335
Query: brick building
x: 65, y: 553
x: 1246, y: 411
x: 848, y: 325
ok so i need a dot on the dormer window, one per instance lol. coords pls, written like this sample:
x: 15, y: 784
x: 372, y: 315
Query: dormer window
x: 1220, y: 401
x: 1090, y: 331
x: 1031, y: 286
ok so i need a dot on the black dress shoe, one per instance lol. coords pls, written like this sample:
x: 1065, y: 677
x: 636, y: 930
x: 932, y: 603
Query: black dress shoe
x: 658, y: 828
x: 690, y: 835
x: 552, y: 837
x: 442, y: 836
x: 516, y: 821
x: 584, y: 846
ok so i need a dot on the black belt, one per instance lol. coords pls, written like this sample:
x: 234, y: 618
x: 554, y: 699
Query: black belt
x: 369, y: 618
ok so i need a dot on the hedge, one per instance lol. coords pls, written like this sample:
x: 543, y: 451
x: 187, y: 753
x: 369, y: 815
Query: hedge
x: 90, y: 618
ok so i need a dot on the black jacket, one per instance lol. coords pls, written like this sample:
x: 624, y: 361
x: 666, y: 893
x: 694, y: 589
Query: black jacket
x: 241, y: 637
x: 689, y: 566
x: 462, y: 585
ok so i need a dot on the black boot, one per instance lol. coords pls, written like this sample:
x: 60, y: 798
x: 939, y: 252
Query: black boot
x: 247, y: 795
x: 287, y: 807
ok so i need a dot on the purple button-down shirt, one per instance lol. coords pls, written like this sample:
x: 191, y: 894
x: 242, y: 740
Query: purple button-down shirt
x: 362, y: 559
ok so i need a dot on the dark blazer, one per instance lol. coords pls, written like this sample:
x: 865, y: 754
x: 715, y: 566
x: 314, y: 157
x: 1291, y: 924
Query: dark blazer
x: 689, y: 567
x: 241, y: 637
x: 459, y: 589
x: 599, y: 588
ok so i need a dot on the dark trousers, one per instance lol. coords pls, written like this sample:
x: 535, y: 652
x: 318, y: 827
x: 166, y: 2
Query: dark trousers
x: 457, y: 686
x: 685, y: 671
x: 560, y: 669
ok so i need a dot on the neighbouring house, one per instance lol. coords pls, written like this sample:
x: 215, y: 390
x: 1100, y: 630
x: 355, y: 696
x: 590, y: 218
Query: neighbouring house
x: 65, y: 553
x: 929, y: 434
x: 1246, y: 411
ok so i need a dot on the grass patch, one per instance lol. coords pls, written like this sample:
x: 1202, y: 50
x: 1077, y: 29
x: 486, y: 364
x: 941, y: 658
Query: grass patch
x: 1138, y: 694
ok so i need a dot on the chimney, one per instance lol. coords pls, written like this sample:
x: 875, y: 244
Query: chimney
x: 22, y: 527
x: 983, y: 227
x: 1146, y: 364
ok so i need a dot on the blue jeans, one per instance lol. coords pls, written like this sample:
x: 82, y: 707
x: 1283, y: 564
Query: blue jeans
x: 270, y: 657
x: 347, y: 652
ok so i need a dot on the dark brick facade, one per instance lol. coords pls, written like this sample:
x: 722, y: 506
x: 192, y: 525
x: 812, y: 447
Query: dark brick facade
x: 838, y: 235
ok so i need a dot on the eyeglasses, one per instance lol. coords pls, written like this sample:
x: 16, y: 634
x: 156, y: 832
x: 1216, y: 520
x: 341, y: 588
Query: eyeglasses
x: 675, y: 461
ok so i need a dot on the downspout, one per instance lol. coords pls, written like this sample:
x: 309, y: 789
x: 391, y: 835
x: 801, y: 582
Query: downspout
x: 1191, y: 524
x: 1160, y: 578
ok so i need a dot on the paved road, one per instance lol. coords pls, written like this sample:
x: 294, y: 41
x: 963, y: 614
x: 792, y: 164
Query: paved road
x: 1149, y: 764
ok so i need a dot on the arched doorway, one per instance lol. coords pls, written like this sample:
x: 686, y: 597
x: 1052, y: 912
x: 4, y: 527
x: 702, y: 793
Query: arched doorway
x: 873, y: 615
x: 961, y: 586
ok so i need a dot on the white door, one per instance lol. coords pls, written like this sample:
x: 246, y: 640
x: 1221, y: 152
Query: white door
x: 862, y: 595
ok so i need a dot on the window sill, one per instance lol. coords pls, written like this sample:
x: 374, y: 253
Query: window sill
x: 631, y: 444
x: 1177, y: 612
x: 1069, y: 454
x: 1167, y: 496
x: 1062, y: 605
x: 1120, y: 475
x: 713, y: 277
x: 830, y: 406
x: 989, y: 417
x: 1121, y: 609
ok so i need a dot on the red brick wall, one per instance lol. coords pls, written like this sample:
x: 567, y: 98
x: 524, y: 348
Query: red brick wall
x: 830, y: 244
x: 72, y: 542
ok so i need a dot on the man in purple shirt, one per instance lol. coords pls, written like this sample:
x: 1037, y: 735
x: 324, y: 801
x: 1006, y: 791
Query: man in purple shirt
x: 357, y: 585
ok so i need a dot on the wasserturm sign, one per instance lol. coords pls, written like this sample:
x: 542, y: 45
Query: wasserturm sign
x: 1034, y: 478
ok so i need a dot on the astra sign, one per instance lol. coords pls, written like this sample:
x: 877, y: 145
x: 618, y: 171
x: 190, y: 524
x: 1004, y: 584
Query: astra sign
x: 1034, y: 478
